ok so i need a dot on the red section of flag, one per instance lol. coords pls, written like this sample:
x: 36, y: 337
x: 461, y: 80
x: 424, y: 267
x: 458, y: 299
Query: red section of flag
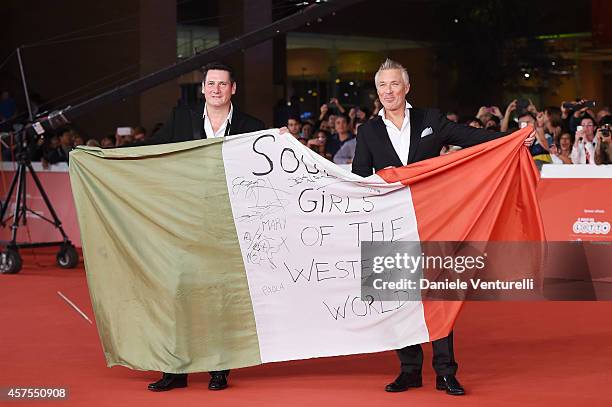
x: 482, y: 193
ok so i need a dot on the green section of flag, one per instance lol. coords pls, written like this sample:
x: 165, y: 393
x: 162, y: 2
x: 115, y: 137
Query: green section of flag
x: 164, y: 267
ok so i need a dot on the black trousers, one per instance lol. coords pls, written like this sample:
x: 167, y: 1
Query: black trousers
x: 212, y: 372
x: 223, y: 372
x: 411, y: 357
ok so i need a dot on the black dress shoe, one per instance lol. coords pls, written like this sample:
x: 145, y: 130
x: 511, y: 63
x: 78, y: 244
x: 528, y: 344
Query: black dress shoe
x: 169, y: 381
x: 405, y: 381
x: 218, y: 381
x: 450, y: 384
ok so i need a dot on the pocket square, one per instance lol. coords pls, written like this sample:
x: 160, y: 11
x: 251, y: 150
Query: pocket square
x: 426, y: 132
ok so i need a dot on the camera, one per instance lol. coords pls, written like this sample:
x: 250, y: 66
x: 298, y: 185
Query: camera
x: 605, y: 130
x: 579, y: 105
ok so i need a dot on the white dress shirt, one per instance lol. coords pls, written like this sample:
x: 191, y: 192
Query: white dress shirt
x: 400, y: 138
x: 584, y: 152
x: 221, y: 130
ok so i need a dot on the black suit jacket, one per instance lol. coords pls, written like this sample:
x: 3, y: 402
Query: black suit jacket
x: 58, y: 155
x: 375, y: 151
x: 186, y: 123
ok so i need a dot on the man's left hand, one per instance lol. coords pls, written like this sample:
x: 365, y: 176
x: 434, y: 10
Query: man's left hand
x: 530, y: 139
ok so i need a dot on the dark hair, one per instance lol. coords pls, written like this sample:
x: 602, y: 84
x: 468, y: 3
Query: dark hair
x: 554, y: 111
x: 111, y: 138
x: 495, y: 119
x: 526, y: 113
x: 572, y: 138
x: 343, y: 116
x: 607, y: 119
x: 217, y: 66
x: 472, y: 119
x: 294, y: 117
x: 587, y: 116
x: 63, y: 130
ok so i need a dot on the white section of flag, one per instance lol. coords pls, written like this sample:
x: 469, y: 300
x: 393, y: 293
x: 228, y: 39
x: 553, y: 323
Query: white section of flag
x: 302, y: 255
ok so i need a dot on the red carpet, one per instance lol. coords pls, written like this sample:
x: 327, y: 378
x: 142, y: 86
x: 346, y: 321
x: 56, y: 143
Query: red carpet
x: 527, y: 354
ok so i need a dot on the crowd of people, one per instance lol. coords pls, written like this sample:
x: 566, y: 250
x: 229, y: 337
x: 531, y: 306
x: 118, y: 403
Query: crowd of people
x: 54, y: 147
x: 575, y: 133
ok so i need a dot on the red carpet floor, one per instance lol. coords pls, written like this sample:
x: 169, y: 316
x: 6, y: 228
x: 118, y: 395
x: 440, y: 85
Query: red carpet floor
x: 510, y: 354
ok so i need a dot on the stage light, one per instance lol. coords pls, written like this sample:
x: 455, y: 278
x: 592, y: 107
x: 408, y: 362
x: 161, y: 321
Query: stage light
x: 527, y: 75
x: 351, y: 83
x: 337, y: 80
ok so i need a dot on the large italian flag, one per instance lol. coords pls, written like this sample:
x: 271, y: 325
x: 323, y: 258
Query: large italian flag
x: 225, y: 253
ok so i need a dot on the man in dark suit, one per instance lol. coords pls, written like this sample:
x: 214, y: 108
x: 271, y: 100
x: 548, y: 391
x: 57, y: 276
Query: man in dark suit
x: 217, y: 117
x: 214, y: 117
x: 398, y: 136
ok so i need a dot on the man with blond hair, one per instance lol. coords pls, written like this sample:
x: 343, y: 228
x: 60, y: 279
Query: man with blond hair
x: 398, y: 136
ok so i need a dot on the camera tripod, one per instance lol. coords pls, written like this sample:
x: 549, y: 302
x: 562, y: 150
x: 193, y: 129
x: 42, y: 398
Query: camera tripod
x: 10, y: 260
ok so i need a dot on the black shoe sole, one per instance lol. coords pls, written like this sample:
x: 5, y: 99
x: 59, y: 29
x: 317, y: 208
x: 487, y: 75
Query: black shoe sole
x: 160, y: 389
x: 217, y: 388
x: 450, y: 394
x: 412, y: 386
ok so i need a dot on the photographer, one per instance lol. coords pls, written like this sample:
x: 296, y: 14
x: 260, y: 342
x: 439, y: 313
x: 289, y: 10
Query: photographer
x: 577, y: 111
x: 561, y: 153
x: 603, y: 150
x: 602, y: 114
x: 553, y: 123
x: 356, y: 115
x: 585, y: 145
x: 487, y: 113
x: 519, y: 107
x: 328, y: 113
x: 317, y: 143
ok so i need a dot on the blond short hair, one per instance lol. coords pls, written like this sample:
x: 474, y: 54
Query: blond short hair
x: 391, y: 64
